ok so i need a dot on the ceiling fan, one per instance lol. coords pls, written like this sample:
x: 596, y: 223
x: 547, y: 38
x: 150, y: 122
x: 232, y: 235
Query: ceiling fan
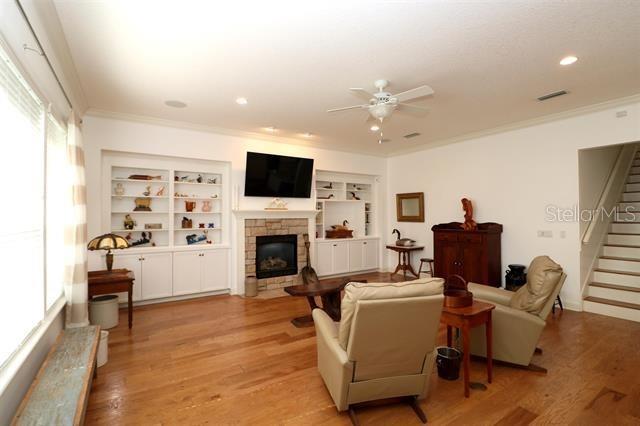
x: 382, y: 104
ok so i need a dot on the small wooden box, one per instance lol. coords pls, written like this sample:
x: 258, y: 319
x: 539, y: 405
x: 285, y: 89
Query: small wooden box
x: 339, y: 233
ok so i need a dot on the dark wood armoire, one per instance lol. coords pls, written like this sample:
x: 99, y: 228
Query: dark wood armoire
x: 474, y: 255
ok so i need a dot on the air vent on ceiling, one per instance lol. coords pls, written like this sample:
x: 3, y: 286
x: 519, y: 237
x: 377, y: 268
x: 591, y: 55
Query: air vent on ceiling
x: 411, y: 135
x: 552, y: 95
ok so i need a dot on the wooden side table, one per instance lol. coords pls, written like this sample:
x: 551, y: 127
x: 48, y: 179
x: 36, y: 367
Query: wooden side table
x: 404, y: 258
x: 114, y: 281
x: 465, y: 319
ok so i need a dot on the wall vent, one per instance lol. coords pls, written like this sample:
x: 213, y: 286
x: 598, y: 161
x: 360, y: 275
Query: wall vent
x: 411, y: 135
x: 552, y: 95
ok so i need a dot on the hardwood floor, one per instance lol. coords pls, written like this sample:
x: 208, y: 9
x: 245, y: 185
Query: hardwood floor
x: 231, y: 360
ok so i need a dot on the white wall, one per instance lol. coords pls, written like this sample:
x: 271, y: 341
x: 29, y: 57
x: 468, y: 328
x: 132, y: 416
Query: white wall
x: 511, y: 178
x: 110, y: 134
x: 594, y: 165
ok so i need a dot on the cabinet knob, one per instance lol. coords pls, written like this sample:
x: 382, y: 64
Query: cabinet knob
x: 365, y: 243
x: 335, y: 245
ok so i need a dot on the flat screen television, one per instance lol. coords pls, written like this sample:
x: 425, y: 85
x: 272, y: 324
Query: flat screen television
x: 270, y: 175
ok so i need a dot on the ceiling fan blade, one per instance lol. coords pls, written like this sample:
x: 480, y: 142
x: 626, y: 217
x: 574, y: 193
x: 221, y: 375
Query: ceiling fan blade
x: 418, y: 92
x: 346, y: 108
x: 413, y: 107
x: 361, y: 93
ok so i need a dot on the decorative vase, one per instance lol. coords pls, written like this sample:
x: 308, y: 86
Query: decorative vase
x: 119, y: 190
x: 515, y: 277
x: 206, y: 206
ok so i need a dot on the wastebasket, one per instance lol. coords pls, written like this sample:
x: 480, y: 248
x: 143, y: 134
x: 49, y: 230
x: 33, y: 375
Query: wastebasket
x: 103, y: 311
x: 448, y: 362
x: 103, y: 348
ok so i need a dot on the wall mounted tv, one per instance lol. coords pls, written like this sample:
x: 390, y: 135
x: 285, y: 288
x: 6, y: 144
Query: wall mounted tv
x: 277, y: 176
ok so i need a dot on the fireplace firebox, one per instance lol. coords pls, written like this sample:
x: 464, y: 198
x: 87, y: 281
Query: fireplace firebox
x: 276, y: 255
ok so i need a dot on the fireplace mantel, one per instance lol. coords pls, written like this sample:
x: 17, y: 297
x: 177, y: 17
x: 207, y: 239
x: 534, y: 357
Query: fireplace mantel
x: 239, y: 229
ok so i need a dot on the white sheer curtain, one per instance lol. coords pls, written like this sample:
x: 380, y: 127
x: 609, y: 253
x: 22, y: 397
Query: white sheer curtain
x: 76, y: 231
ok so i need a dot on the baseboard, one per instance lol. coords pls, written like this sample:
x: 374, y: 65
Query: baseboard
x: 572, y: 305
x: 175, y: 298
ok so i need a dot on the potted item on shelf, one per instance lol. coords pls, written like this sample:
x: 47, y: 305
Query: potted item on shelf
x: 189, y: 205
x: 187, y: 223
x: 142, y: 205
x: 119, y: 189
x: 152, y: 226
x: 206, y: 206
x: 129, y: 223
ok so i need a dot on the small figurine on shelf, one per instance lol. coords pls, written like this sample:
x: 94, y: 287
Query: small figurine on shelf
x: 277, y: 204
x: 206, y: 206
x: 330, y: 186
x: 201, y: 225
x: 119, y: 189
x: 354, y: 196
x: 142, y: 205
x: 129, y: 223
x: 184, y: 178
x: 187, y: 223
x: 148, y: 191
x: 212, y: 225
x: 144, y: 239
x: 212, y: 181
x: 194, y: 238
x: 160, y: 192
x: 176, y: 178
x: 214, y: 196
x: 189, y: 205
x: 199, y: 179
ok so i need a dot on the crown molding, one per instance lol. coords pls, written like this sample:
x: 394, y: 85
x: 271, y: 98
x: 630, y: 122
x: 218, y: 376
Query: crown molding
x: 520, y: 125
x: 316, y: 144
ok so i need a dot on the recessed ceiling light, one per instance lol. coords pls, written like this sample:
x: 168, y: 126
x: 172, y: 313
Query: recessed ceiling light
x: 242, y: 101
x: 307, y: 135
x: 568, y: 60
x: 175, y: 104
x: 375, y: 128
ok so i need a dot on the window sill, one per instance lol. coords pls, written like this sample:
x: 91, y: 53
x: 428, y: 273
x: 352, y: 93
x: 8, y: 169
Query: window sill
x: 17, y: 359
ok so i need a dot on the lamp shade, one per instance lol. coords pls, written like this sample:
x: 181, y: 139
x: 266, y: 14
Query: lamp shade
x: 108, y: 242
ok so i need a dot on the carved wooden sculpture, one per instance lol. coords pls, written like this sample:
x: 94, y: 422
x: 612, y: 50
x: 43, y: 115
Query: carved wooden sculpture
x: 469, y: 224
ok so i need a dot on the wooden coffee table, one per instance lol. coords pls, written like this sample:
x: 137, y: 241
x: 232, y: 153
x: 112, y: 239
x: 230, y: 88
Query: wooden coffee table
x: 465, y: 319
x: 329, y: 294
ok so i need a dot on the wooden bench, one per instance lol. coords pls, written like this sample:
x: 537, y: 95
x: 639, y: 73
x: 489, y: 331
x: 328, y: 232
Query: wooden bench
x: 60, y: 392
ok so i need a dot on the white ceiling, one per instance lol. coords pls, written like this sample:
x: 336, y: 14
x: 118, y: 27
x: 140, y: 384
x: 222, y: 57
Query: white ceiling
x: 487, y: 61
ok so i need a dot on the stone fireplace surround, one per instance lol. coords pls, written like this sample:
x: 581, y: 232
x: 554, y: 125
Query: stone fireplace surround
x: 273, y: 226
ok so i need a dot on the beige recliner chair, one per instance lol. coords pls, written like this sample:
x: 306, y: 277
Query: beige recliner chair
x: 384, y: 345
x: 519, y: 317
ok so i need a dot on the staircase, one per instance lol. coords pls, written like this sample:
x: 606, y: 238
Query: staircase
x: 615, y: 289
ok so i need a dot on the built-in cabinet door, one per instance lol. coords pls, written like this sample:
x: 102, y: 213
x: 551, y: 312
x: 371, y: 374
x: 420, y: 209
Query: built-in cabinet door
x: 133, y: 263
x: 356, y: 255
x: 370, y: 254
x: 340, y: 255
x: 187, y: 272
x: 215, y: 267
x: 324, y: 261
x: 156, y: 275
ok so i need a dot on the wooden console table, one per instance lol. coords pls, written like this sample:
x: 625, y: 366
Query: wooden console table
x: 114, y: 281
x: 404, y: 259
x: 465, y: 319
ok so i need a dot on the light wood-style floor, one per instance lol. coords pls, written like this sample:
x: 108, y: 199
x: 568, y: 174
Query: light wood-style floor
x: 229, y: 360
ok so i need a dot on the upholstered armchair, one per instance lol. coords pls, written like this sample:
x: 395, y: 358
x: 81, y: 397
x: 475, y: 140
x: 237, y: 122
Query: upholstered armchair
x: 384, y: 345
x: 519, y: 317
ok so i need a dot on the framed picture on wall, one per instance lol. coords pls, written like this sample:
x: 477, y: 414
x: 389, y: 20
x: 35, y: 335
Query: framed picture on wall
x: 410, y: 207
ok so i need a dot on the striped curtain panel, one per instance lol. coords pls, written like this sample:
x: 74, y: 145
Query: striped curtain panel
x: 75, y: 288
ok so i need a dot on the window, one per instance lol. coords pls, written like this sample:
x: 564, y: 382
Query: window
x: 29, y: 140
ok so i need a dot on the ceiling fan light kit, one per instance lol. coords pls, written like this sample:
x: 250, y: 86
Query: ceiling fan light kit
x: 382, y: 104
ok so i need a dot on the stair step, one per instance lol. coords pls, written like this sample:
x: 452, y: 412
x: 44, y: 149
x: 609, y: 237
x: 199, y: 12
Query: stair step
x: 619, y: 264
x: 633, y: 178
x: 624, y: 295
x: 616, y: 277
x: 612, y: 308
x: 623, y: 217
x: 631, y: 196
x: 634, y: 170
x: 625, y: 228
x: 623, y: 238
x: 615, y: 287
x: 632, y: 187
x: 629, y: 206
x: 629, y: 251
